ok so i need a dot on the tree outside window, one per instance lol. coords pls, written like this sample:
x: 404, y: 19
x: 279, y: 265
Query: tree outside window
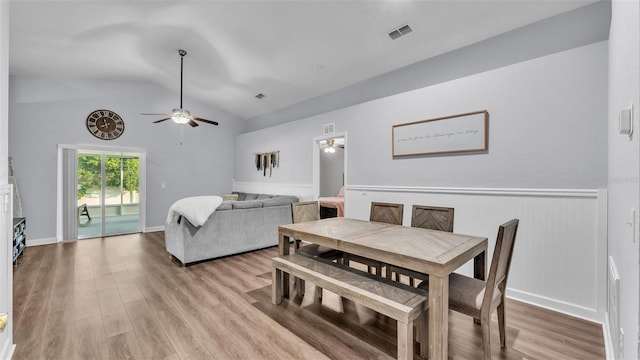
x: 121, y: 174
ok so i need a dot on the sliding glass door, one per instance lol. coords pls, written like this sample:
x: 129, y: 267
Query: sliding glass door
x: 90, y: 199
x: 122, y: 200
x: 108, y: 193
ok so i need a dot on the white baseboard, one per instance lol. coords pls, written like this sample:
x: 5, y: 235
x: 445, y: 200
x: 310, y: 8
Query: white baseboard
x: 49, y: 241
x: 44, y: 241
x: 153, y: 229
x: 608, y: 342
x: 571, y: 309
x: 8, y: 351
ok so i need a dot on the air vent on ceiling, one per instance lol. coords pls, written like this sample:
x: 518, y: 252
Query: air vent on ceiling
x: 401, y: 31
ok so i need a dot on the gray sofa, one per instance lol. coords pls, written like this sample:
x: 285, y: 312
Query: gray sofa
x: 248, y: 223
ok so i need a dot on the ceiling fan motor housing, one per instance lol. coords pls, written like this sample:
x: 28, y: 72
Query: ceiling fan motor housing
x: 180, y: 116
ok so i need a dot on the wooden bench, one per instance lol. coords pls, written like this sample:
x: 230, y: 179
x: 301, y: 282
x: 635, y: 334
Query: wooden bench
x: 397, y: 301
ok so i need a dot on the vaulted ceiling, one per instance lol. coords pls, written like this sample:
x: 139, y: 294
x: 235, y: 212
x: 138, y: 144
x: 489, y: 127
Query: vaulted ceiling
x: 290, y: 51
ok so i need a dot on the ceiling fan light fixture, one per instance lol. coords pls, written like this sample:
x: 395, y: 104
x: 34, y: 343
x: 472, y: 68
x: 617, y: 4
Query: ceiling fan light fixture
x: 330, y: 149
x: 180, y: 116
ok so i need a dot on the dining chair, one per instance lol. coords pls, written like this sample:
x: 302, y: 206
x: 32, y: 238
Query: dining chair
x: 310, y: 211
x: 432, y: 217
x: 380, y: 212
x: 479, y: 298
x: 426, y: 217
x: 386, y: 213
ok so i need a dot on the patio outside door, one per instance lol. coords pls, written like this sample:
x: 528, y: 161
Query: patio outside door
x: 108, y: 193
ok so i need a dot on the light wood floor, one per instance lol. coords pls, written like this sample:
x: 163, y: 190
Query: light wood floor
x: 123, y: 298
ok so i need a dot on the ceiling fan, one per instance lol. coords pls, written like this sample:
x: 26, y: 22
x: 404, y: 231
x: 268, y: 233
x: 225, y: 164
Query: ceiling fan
x: 180, y: 115
x: 330, y: 145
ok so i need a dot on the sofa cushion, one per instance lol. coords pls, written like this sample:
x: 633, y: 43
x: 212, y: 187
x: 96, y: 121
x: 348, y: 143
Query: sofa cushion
x: 248, y: 204
x: 241, y: 195
x: 264, y: 196
x: 230, y: 197
x: 226, y: 205
x: 250, y: 196
x: 279, y: 200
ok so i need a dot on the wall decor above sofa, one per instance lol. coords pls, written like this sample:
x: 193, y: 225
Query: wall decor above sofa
x: 267, y: 160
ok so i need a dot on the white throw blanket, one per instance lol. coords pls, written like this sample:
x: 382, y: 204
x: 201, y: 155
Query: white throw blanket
x: 196, y: 209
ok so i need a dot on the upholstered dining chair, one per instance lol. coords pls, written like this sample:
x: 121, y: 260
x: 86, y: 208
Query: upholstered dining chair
x: 479, y: 298
x: 426, y: 217
x: 380, y: 212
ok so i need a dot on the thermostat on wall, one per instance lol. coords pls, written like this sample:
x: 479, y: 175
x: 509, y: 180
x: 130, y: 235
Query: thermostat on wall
x: 625, y: 121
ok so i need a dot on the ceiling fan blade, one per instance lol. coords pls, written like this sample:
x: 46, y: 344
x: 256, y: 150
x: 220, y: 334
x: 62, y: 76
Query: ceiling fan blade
x: 161, y: 120
x: 205, y: 120
x: 153, y: 114
x: 192, y: 123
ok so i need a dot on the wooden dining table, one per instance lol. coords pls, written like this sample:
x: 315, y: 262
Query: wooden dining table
x: 432, y: 252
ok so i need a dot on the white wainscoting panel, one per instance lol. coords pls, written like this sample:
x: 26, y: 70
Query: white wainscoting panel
x: 303, y: 191
x: 559, y: 259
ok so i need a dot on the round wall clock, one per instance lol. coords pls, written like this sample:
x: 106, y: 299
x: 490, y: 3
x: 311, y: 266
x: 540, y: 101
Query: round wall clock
x: 105, y: 124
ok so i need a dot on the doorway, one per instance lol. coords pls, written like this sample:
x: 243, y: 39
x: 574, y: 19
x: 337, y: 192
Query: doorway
x: 329, y: 165
x: 108, y: 193
x: 101, y: 191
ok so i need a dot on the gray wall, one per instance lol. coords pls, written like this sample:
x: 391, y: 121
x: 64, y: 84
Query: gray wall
x: 47, y: 112
x: 547, y: 129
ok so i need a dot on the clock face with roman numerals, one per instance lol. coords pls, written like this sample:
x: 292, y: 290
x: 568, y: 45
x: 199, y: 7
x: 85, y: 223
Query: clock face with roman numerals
x: 105, y: 124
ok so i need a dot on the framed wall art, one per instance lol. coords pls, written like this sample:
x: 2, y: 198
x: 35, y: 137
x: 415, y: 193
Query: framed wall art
x: 447, y: 134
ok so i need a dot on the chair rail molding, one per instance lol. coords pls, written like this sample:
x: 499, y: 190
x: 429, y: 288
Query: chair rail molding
x: 303, y: 191
x: 589, y: 193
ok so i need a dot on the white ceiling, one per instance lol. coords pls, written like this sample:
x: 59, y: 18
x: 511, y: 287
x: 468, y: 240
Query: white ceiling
x: 290, y: 51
